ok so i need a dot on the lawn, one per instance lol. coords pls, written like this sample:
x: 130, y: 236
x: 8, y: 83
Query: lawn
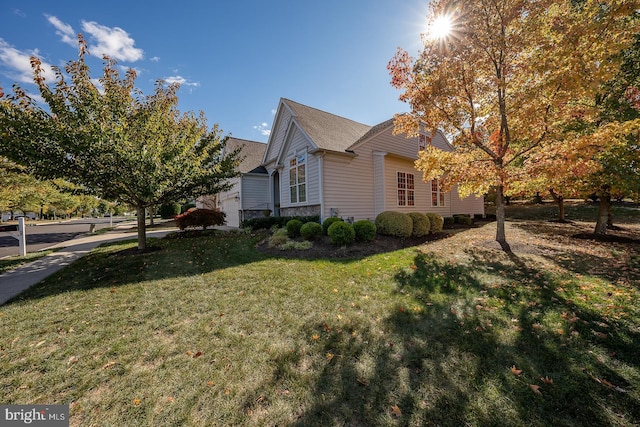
x: 210, y: 331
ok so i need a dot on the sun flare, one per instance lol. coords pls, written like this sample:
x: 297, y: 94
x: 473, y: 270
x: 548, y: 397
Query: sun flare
x: 440, y: 28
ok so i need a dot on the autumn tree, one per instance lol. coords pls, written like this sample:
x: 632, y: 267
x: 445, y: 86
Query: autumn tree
x: 114, y: 141
x: 506, y: 78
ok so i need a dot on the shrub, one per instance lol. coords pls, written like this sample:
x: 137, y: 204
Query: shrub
x: 169, y: 210
x: 279, y: 238
x: 185, y: 208
x: 448, y: 220
x: 463, y: 219
x: 391, y: 223
x: 265, y: 223
x: 293, y: 227
x: 311, y: 230
x: 341, y: 233
x: 436, y: 222
x: 327, y: 223
x: 365, y: 230
x: 421, y: 224
x: 293, y: 245
x: 200, y: 218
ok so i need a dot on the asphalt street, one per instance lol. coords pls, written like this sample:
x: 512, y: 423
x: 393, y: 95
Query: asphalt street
x: 43, y: 235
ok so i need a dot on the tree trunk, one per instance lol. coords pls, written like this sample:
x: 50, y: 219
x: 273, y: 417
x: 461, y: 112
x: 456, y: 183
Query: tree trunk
x: 559, y: 199
x: 151, y: 214
x: 142, y: 232
x: 603, y: 211
x: 610, y: 217
x: 500, y: 217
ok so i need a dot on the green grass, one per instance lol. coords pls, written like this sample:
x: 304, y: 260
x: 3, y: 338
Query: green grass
x: 209, y: 331
x: 12, y: 262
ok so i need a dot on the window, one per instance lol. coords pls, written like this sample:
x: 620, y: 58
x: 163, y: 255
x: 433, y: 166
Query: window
x: 406, y: 189
x: 297, y: 179
x: 437, y: 196
x: 422, y: 141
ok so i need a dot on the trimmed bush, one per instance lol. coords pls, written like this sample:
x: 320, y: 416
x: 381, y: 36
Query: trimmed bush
x: 463, y: 219
x: 169, y: 210
x: 448, y: 220
x: 421, y: 224
x: 311, y: 230
x: 327, y: 223
x: 342, y: 233
x: 436, y: 222
x: 391, y: 223
x: 293, y: 227
x: 200, y: 218
x: 365, y: 230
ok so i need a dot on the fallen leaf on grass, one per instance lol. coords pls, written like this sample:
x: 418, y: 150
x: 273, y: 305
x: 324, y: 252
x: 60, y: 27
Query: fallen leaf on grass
x: 515, y: 371
x: 198, y: 354
x: 170, y: 399
x: 210, y: 384
x: 136, y: 401
x: 315, y: 336
x: 72, y: 359
x: 546, y: 380
x: 535, y: 388
x: 330, y: 356
x: 395, y: 411
x: 363, y: 382
x: 108, y: 365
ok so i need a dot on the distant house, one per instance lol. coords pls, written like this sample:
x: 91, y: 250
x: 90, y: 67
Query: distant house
x: 248, y: 191
x: 317, y: 163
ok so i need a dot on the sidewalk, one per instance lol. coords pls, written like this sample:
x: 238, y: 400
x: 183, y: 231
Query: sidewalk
x: 15, y: 281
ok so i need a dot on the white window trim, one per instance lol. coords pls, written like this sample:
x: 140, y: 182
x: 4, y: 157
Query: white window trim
x: 295, y: 157
x: 442, y: 200
x: 407, y: 190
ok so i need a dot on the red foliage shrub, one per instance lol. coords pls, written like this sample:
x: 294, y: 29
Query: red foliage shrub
x: 204, y: 218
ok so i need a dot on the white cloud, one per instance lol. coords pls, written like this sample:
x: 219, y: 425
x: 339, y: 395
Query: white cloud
x: 263, y: 128
x: 155, y: 59
x: 65, y: 31
x: 18, y: 64
x: 113, y: 42
x: 181, y: 80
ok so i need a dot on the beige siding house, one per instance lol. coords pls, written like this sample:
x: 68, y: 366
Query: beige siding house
x: 248, y: 196
x: 317, y: 163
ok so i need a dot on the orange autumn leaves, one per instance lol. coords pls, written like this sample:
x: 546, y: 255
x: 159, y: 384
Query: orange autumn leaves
x: 535, y: 388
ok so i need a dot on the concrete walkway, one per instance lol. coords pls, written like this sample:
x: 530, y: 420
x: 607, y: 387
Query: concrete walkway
x: 15, y: 281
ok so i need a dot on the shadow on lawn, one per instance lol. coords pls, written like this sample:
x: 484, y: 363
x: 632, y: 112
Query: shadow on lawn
x: 105, y: 268
x: 448, y: 360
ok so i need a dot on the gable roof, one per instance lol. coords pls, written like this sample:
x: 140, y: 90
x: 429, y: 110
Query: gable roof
x: 251, y: 154
x: 326, y: 130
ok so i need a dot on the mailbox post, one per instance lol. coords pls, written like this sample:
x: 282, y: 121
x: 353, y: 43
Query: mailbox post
x: 17, y: 232
x: 22, y: 237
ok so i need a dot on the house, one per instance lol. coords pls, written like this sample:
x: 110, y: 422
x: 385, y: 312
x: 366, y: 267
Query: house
x: 317, y: 163
x: 249, y: 190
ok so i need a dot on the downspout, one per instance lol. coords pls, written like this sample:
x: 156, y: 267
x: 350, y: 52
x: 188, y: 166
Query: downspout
x: 320, y: 186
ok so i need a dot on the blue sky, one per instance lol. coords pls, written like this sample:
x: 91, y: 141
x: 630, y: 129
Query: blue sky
x: 235, y: 59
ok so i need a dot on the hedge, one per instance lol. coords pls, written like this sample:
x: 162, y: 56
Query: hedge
x: 265, y: 223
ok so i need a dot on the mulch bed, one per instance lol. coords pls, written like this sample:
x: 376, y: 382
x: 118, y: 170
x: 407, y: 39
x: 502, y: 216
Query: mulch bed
x: 323, y: 248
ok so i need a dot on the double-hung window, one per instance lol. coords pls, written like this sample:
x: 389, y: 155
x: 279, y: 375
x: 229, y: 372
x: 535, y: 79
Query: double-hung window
x: 437, y: 195
x: 297, y: 178
x: 406, y: 189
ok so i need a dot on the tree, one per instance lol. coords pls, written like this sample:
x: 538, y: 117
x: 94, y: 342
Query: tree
x: 113, y: 141
x: 505, y: 80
